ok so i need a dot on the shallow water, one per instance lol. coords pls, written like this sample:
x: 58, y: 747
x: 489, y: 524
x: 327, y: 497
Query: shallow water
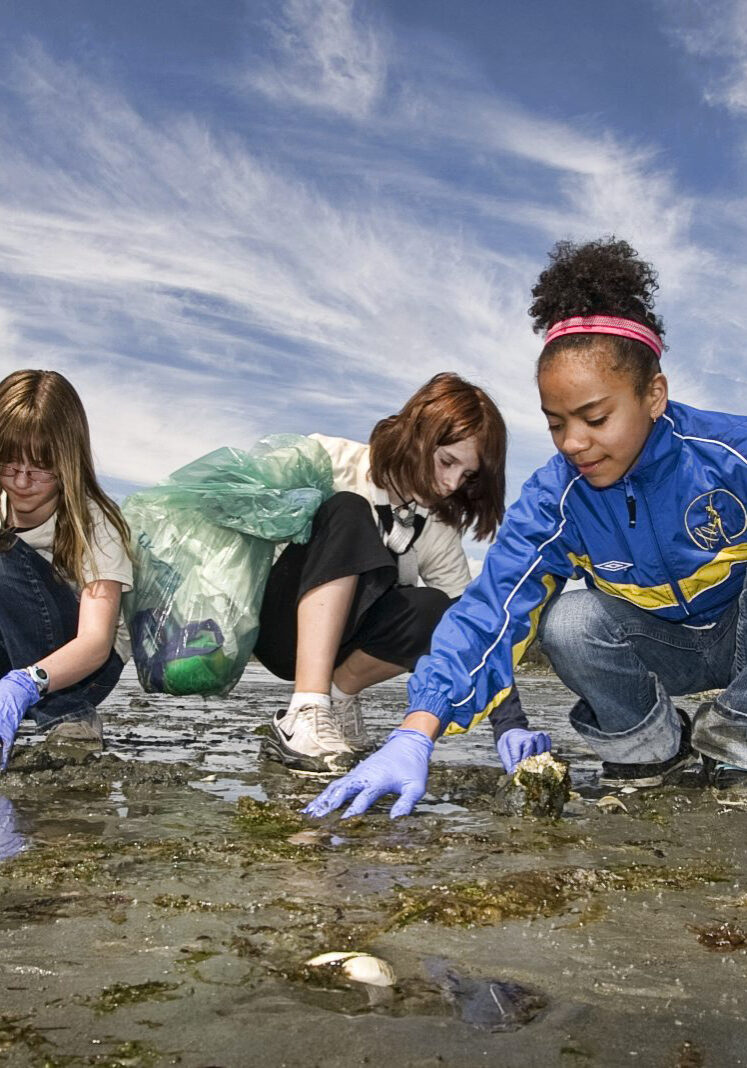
x: 158, y: 904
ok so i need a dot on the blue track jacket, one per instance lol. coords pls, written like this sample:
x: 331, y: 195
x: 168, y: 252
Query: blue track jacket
x: 671, y: 538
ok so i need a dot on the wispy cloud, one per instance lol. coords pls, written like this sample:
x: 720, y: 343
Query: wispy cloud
x: 325, y: 56
x: 371, y: 219
x: 718, y: 31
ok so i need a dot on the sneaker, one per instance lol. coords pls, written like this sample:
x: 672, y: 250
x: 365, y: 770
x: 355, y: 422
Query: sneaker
x: 722, y: 776
x: 349, y: 715
x: 656, y: 773
x: 86, y: 731
x: 308, y: 742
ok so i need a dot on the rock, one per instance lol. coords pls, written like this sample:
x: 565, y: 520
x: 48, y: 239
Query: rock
x: 540, y: 786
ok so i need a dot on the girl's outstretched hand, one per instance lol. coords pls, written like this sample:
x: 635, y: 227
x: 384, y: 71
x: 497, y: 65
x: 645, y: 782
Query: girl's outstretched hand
x: 517, y: 744
x: 18, y: 693
x: 399, y: 767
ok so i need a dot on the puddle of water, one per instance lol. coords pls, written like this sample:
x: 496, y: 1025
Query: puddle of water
x: 230, y: 789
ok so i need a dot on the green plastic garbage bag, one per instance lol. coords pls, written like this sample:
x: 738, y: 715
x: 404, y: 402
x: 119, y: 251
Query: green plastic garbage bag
x: 204, y: 542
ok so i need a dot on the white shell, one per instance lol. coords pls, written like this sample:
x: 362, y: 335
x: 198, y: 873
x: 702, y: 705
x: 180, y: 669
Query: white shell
x: 360, y: 967
x: 329, y: 958
x: 609, y: 803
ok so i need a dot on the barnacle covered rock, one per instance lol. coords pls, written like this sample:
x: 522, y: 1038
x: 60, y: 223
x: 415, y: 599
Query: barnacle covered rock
x: 540, y: 786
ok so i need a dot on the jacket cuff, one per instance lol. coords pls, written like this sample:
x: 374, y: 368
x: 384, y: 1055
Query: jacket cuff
x: 435, y: 702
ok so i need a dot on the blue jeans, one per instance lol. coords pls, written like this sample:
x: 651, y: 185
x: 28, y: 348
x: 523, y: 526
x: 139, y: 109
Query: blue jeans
x: 38, y: 614
x: 626, y: 665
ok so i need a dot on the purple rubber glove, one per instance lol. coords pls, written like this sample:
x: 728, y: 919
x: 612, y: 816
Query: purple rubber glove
x: 517, y: 744
x: 18, y: 693
x: 399, y: 767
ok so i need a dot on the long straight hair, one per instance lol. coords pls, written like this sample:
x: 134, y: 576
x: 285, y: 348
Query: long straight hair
x: 43, y: 423
x: 442, y: 412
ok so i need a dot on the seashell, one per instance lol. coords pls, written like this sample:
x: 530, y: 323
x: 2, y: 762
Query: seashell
x: 328, y: 958
x: 629, y: 790
x: 609, y: 803
x: 359, y: 967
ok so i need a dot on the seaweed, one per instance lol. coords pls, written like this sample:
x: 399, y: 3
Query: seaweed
x: 118, y: 994
x: 535, y: 893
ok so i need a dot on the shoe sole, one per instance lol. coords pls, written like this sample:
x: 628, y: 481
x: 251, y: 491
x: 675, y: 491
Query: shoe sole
x: 651, y: 780
x: 297, y: 763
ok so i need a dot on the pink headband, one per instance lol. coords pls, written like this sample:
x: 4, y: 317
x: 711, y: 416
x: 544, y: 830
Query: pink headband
x: 606, y: 324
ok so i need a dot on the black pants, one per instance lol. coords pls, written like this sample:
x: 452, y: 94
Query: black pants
x: 389, y: 622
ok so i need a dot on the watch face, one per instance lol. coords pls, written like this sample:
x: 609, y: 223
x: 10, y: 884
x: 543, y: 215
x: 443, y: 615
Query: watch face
x: 40, y: 677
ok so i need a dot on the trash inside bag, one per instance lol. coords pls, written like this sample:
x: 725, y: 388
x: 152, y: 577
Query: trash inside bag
x: 204, y: 543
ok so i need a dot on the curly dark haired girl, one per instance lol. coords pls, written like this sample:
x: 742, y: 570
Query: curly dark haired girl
x: 646, y: 500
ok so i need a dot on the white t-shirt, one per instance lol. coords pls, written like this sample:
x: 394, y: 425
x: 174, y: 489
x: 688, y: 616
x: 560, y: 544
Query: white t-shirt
x: 110, y: 561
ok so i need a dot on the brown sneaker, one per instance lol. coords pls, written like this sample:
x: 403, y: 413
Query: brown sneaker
x: 87, y: 731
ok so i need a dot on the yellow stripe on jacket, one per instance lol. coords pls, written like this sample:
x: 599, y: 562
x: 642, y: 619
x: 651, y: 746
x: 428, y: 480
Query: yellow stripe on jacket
x: 715, y: 571
x: 647, y: 597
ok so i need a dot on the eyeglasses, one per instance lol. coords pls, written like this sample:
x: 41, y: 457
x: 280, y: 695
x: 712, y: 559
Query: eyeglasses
x: 33, y: 474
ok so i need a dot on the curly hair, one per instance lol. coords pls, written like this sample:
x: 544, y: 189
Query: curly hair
x: 602, y: 277
x: 447, y: 409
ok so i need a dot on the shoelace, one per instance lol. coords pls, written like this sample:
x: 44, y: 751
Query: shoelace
x: 350, y: 713
x: 324, y: 726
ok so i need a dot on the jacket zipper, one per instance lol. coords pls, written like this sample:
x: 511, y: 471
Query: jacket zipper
x: 630, y: 501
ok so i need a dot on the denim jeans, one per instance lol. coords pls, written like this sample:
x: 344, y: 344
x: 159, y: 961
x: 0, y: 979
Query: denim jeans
x: 626, y: 665
x: 38, y: 614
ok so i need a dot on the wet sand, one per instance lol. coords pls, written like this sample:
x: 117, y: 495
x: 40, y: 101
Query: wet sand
x: 158, y: 902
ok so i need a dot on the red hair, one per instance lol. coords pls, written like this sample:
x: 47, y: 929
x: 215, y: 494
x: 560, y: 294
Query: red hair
x: 442, y: 412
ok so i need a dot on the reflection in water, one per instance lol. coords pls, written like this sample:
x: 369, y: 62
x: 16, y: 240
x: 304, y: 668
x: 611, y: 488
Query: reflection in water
x: 11, y: 842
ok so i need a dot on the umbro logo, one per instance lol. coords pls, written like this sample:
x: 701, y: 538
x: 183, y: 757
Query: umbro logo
x: 613, y: 565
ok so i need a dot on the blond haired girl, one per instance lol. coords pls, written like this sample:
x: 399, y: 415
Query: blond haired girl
x: 64, y: 563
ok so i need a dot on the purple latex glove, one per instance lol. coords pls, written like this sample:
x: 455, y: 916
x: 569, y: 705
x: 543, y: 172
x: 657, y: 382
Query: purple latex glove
x: 399, y: 767
x: 18, y: 693
x: 517, y: 744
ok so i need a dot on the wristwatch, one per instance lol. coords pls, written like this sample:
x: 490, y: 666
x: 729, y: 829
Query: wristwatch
x: 39, y: 677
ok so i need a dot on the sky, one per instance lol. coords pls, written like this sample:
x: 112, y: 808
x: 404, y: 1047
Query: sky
x: 226, y: 219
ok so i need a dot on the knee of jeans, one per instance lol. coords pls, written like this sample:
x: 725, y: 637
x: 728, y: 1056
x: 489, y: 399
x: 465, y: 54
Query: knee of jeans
x: 570, y: 624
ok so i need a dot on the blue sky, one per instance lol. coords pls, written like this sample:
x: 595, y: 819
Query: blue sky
x: 221, y: 220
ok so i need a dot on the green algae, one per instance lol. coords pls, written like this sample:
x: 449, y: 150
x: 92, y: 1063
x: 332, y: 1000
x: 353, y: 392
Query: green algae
x: 51, y: 866
x: 722, y: 937
x: 267, y: 819
x: 195, y: 956
x: 118, y: 994
x: 530, y: 894
x: 185, y: 903
x: 15, y: 1030
x: 72, y: 861
x: 128, y: 1054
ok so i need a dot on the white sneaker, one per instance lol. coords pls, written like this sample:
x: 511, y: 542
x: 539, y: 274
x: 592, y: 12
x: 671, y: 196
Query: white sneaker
x: 349, y: 715
x: 308, y: 741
